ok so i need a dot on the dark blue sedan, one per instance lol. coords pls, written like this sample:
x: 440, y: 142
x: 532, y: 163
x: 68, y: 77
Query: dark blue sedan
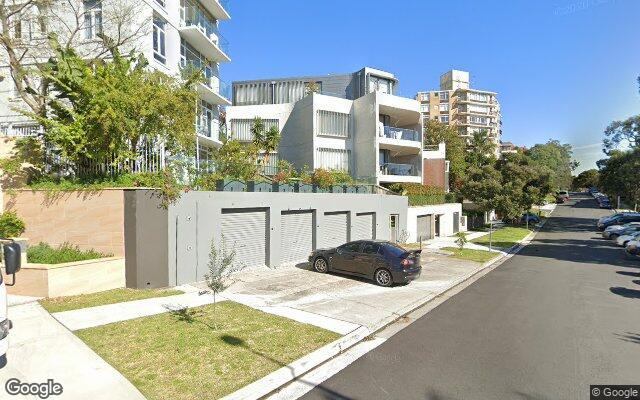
x: 384, y: 262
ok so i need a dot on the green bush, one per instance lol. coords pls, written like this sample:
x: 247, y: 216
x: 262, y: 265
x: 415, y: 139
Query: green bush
x: 11, y: 225
x: 421, y: 195
x: 43, y: 253
x: 341, y: 177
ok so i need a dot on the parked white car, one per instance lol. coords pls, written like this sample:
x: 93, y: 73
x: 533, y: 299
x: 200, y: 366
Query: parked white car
x: 613, y: 231
x: 624, y: 239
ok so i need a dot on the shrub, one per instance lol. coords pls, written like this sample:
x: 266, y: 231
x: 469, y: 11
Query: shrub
x: 420, y: 195
x: 11, y: 225
x: 322, y: 178
x: 43, y: 253
x: 341, y: 177
x: 285, y: 172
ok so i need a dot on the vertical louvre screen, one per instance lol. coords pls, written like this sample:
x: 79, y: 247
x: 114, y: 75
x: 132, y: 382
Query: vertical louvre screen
x: 332, y: 123
x: 334, y: 159
x: 241, y: 128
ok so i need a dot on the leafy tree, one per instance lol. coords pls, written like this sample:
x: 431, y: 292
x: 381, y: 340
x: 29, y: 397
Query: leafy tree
x: 625, y: 132
x: 461, y: 240
x: 236, y: 160
x: 482, y: 150
x: 25, y: 26
x: 619, y: 175
x: 586, y: 179
x: 266, y: 140
x: 558, y: 159
x: 435, y: 133
x: 222, y: 263
x: 105, y: 110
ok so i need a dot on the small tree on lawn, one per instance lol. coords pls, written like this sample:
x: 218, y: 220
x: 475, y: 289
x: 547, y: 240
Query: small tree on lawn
x: 221, y: 265
x: 461, y: 240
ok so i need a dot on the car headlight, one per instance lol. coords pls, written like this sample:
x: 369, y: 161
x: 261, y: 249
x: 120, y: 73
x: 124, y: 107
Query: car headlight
x: 4, y: 328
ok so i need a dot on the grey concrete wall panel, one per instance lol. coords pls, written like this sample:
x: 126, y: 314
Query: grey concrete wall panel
x: 172, y: 246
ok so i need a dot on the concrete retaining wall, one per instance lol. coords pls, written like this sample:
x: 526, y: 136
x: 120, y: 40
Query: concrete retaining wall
x: 80, y: 277
x: 88, y: 219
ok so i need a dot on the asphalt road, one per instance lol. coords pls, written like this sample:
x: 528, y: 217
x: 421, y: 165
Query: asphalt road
x: 562, y: 314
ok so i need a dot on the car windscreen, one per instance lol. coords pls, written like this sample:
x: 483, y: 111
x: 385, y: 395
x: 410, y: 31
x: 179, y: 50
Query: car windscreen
x: 394, y: 250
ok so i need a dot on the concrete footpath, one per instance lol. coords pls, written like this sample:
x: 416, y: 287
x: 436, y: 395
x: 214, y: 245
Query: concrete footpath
x: 40, y: 349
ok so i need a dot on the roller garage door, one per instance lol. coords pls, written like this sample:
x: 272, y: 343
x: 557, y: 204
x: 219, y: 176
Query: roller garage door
x: 296, y: 230
x: 363, y: 226
x: 335, y: 229
x: 245, y: 230
x: 424, y: 227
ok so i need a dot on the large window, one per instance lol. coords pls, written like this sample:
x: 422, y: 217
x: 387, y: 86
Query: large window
x: 332, y: 123
x: 380, y: 85
x: 92, y: 18
x: 241, y: 128
x: 444, y: 118
x: 159, y: 37
x: 206, y: 119
x: 337, y: 159
x: 444, y: 108
x: 190, y: 56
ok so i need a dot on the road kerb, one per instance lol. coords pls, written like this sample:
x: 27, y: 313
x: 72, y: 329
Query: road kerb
x: 287, y: 374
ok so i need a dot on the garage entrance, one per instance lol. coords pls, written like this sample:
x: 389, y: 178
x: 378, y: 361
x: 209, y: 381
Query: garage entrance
x: 245, y: 230
x: 363, y: 226
x: 335, y: 229
x: 296, y: 236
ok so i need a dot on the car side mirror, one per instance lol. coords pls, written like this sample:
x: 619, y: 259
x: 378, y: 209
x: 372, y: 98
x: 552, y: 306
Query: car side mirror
x: 12, y: 259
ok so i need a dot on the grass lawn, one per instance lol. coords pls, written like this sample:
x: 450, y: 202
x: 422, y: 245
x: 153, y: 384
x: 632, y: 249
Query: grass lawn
x: 504, y: 237
x: 479, y: 256
x: 194, y: 355
x: 57, y: 304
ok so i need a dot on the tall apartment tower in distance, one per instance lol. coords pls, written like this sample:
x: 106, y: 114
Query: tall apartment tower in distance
x: 456, y: 103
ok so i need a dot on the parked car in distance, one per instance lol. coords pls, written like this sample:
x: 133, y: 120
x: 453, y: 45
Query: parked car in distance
x: 531, y: 217
x: 618, y: 220
x: 384, y: 262
x: 632, y: 249
x: 562, y: 196
x: 613, y: 231
x: 627, y: 237
x: 625, y: 231
x: 618, y: 214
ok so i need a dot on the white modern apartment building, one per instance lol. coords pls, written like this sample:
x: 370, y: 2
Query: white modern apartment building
x: 170, y: 33
x: 352, y: 122
x: 456, y: 103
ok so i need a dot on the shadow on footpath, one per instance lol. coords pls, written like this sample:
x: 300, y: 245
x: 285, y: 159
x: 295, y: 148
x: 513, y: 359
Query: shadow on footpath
x: 625, y: 292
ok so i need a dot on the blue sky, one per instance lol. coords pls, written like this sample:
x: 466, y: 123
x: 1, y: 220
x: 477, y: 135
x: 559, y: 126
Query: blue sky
x: 563, y: 69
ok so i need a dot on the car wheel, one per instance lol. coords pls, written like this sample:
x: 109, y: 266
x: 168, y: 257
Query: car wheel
x: 383, y: 277
x: 320, y: 265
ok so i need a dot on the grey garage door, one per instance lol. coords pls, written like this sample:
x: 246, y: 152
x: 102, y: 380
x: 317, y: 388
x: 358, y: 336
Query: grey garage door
x: 363, y: 226
x: 246, y: 232
x: 296, y: 230
x: 334, y: 229
x: 424, y: 227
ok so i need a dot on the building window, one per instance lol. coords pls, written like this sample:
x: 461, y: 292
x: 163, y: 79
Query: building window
x: 333, y: 123
x: 205, y: 121
x: 92, y: 18
x: 161, y: 3
x: 424, y: 107
x: 444, y: 96
x: 335, y: 159
x: 241, y: 128
x: 159, y: 38
x: 383, y: 85
x: 444, y: 107
x: 444, y: 118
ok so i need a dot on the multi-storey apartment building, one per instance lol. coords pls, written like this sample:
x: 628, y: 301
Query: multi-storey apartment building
x: 172, y: 34
x: 456, y: 103
x: 350, y: 122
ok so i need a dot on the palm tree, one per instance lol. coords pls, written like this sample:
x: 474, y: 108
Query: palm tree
x: 267, y: 141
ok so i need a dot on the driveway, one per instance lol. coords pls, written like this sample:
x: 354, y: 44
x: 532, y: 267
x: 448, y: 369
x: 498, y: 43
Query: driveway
x: 346, y: 298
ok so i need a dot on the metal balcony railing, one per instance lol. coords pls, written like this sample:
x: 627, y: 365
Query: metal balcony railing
x: 195, y: 17
x: 398, y: 169
x: 401, y: 133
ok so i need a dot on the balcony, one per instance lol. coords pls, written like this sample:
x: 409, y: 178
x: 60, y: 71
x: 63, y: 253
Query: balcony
x: 215, y: 91
x: 211, y: 134
x: 397, y: 172
x: 400, y: 133
x: 217, y: 8
x: 204, y: 36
